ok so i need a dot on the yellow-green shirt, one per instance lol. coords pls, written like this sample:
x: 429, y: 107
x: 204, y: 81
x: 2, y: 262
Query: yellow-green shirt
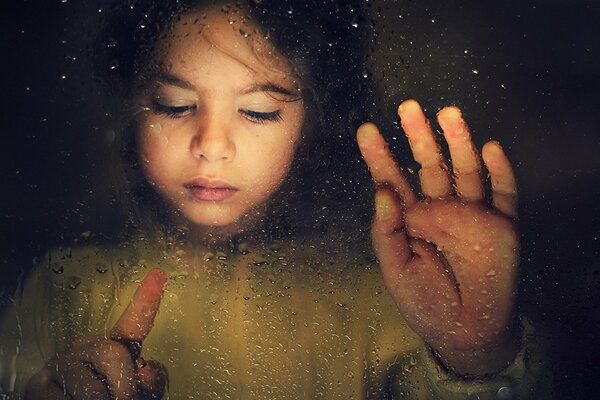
x: 284, y: 322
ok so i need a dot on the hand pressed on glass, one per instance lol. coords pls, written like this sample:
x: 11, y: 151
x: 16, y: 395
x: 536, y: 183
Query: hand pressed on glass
x: 96, y: 367
x: 450, y: 261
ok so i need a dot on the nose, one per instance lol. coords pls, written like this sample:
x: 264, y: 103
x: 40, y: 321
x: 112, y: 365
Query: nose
x: 212, y: 140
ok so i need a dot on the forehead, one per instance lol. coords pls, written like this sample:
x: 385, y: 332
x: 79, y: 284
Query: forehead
x: 223, y: 30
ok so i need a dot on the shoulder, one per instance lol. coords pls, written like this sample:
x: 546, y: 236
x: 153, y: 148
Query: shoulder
x: 86, y: 265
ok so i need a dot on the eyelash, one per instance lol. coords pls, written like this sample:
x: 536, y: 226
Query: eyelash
x: 173, y: 111
x: 182, y: 111
x: 262, y: 117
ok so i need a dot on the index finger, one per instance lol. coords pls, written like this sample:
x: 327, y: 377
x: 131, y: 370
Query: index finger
x: 381, y: 163
x: 138, y: 318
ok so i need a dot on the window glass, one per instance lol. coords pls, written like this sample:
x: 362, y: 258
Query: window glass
x: 523, y: 73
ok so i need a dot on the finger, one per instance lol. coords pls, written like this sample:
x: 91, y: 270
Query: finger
x: 466, y: 165
x: 110, y: 362
x: 504, y: 185
x: 43, y: 386
x: 381, y: 163
x: 434, y: 178
x: 83, y: 383
x: 137, y: 320
x: 389, y: 237
x: 94, y: 368
x: 153, y: 379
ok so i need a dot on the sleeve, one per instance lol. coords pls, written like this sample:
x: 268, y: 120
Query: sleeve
x: 22, y: 348
x: 527, y: 377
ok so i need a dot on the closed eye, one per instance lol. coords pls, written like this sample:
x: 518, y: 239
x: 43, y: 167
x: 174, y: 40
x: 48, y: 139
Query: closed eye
x: 261, y: 117
x: 173, y: 111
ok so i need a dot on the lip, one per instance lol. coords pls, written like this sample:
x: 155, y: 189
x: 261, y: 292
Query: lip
x: 210, y: 190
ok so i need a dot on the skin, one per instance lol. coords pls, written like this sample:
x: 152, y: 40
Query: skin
x: 448, y: 259
x: 203, y: 117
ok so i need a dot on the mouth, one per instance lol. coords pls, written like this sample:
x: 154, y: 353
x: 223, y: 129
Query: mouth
x: 209, y: 190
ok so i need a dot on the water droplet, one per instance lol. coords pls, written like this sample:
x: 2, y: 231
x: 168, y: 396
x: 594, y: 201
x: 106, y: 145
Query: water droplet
x: 100, y: 268
x: 243, y: 248
x: 259, y: 261
x: 477, y: 247
x: 58, y: 269
x: 111, y: 135
x: 491, y: 272
x: 427, y: 199
x: 275, y: 247
x: 221, y: 256
x: 505, y: 393
x: 458, y: 324
x: 74, y: 282
x: 208, y: 256
x: 475, y: 71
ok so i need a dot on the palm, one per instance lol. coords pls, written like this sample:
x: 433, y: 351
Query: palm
x: 459, y: 289
x: 450, y: 261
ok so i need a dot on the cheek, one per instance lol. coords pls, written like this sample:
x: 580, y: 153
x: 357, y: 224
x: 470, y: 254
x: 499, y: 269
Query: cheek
x: 153, y: 147
x: 273, y: 163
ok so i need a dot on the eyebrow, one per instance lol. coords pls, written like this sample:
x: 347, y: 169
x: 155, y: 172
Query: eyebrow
x: 269, y: 87
x: 174, y: 80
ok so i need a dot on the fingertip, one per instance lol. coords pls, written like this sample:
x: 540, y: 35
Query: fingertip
x: 493, y: 155
x: 367, y: 131
x: 449, y: 113
x: 409, y: 105
x: 155, y: 281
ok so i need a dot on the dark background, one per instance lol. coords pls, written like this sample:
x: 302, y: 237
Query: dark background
x: 525, y: 73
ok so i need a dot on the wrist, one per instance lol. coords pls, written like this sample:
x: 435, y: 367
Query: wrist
x: 481, y: 361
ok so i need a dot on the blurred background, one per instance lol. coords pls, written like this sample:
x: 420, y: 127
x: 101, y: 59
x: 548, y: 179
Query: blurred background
x: 524, y: 72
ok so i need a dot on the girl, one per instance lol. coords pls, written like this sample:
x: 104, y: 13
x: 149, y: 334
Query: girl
x: 226, y: 296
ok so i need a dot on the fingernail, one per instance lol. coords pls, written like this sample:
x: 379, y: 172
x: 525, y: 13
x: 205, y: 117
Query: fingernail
x: 496, y: 148
x: 368, y: 131
x: 383, y: 206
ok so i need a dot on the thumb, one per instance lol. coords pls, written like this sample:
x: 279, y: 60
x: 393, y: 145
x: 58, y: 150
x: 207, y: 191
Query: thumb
x: 153, y: 379
x: 389, y: 237
x: 138, y: 318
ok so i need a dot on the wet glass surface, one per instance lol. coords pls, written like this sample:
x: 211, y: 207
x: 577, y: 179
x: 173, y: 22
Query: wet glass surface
x: 524, y: 73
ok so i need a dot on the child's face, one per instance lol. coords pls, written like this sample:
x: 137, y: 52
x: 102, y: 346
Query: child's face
x: 221, y: 121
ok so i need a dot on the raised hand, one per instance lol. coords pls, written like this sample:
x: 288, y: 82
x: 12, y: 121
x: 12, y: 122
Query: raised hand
x: 449, y: 258
x: 96, y: 367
